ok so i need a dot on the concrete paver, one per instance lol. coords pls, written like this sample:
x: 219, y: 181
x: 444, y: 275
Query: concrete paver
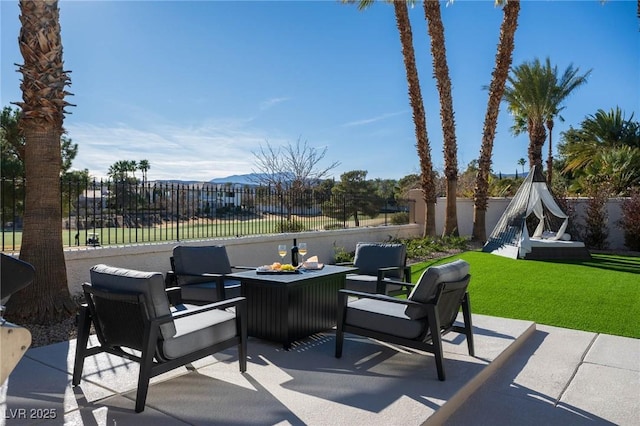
x: 522, y: 374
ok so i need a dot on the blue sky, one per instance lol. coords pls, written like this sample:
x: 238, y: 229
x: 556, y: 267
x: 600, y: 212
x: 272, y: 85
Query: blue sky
x: 196, y: 86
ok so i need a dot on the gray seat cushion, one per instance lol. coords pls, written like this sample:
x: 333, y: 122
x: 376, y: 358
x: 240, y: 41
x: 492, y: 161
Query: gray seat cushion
x: 371, y: 256
x: 366, y: 283
x: 199, y: 331
x: 197, y: 260
x: 151, y: 284
x: 427, y: 285
x: 385, y: 317
x: 206, y: 291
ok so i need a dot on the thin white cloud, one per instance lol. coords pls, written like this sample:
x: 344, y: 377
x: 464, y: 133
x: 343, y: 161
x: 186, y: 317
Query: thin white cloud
x: 373, y: 119
x: 270, y: 103
x: 201, y: 153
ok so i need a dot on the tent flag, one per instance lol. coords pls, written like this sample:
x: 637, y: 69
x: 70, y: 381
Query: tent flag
x: 510, y: 236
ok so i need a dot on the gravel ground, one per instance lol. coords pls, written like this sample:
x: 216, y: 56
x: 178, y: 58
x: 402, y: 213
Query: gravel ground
x: 42, y: 335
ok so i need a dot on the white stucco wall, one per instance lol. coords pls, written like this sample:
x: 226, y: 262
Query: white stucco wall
x: 246, y: 251
x: 497, y: 206
x: 260, y: 250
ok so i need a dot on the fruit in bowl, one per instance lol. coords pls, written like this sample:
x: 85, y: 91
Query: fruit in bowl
x: 287, y: 267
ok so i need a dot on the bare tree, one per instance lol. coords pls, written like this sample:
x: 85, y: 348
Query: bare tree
x: 290, y: 172
x: 291, y: 167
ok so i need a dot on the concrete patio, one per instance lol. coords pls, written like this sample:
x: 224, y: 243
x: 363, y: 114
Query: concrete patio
x: 522, y: 374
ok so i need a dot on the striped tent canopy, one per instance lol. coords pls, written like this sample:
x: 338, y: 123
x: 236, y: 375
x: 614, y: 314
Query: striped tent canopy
x: 510, y: 237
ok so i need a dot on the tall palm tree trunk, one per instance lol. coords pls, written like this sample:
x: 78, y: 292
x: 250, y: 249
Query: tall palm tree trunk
x: 419, y: 118
x: 550, y: 156
x: 504, y: 58
x: 537, y: 138
x: 443, y: 82
x: 47, y: 299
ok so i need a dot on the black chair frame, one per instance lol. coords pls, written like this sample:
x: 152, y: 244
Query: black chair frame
x: 431, y: 338
x: 137, y: 331
x: 171, y: 278
x: 381, y: 285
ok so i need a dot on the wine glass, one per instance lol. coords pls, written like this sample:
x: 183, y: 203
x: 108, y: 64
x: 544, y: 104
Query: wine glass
x: 302, y: 249
x: 282, y: 250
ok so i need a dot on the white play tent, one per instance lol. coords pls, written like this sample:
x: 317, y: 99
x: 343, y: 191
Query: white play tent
x: 510, y: 237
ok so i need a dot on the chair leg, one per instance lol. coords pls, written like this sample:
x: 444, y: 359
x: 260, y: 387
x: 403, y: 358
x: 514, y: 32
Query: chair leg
x: 146, y: 366
x: 84, y: 326
x: 436, y: 339
x: 242, y: 347
x: 468, y: 326
x: 342, y: 307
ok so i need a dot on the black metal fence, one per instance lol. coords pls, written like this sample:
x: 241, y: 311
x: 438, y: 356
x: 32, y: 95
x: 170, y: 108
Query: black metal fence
x: 107, y: 213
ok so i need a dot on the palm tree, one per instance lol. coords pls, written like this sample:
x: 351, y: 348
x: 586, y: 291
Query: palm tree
x: 144, y: 166
x: 496, y: 90
x: 47, y: 299
x: 567, y: 84
x: 522, y: 162
x: 534, y: 96
x: 427, y: 177
x: 443, y: 82
x: 605, y: 148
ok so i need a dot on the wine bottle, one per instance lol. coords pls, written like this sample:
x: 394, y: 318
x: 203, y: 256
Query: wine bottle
x: 294, y: 253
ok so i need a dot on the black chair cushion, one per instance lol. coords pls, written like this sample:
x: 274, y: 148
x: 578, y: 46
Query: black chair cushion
x: 151, y: 284
x: 427, y: 285
x: 196, y: 260
x: 371, y: 256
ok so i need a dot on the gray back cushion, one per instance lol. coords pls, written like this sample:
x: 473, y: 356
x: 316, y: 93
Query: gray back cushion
x: 429, y: 281
x: 200, y: 260
x: 371, y: 256
x: 151, y: 284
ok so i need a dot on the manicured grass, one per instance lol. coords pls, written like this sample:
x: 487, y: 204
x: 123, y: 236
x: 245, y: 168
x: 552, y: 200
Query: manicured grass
x: 600, y: 295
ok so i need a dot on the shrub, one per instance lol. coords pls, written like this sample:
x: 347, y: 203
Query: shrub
x: 630, y: 222
x: 334, y: 226
x: 289, y: 225
x: 596, y: 231
x: 400, y: 218
x: 341, y: 255
x: 419, y: 248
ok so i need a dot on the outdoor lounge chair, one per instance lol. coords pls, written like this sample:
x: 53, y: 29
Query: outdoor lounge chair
x: 15, y: 274
x: 132, y: 317
x: 418, y: 322
x: 200, y: 273
x: 380, y: 267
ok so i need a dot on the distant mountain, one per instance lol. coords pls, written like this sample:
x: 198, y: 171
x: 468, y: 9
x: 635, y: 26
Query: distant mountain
x: 248, y: 179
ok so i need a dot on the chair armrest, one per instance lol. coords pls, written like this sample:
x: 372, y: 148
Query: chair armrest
x: 381, y: 297
x: 223, y: 304
x: 174, y: 294
x: 382, y: 272
x: 251, y: 268
x: 344, y: 264
x: 171, y: 279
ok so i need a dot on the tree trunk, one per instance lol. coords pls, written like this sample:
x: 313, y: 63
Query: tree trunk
x: 550, y: 157
x: 451, y: 216
x: 47, y: 299
x: 479, y: 232
x: 443, y: 82
x: 537, y: 138
x: 504, y: 58
x: 419, y: 118
x: 430, y: 219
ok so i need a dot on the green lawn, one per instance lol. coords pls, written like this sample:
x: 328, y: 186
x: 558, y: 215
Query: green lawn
x: 601, y: 295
